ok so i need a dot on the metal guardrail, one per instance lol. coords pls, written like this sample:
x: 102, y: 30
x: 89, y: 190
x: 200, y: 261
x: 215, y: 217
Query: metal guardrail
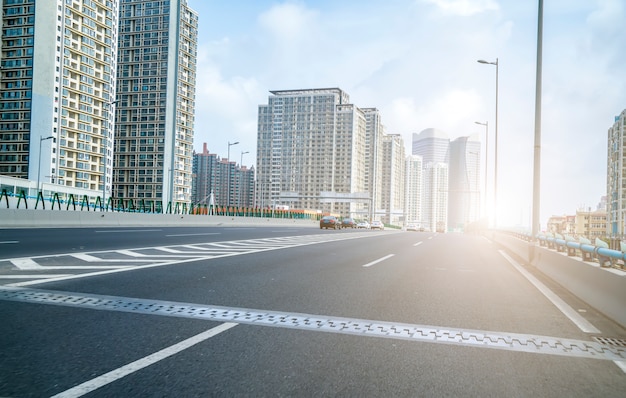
x: 71, y: 202
x: 582, y: 247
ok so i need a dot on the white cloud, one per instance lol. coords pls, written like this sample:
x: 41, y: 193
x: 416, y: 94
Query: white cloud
x: 289, y: 23
x: 464, y: 7
x: 449, y: 113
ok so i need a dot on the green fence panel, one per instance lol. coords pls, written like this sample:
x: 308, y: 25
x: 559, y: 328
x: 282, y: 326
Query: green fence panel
x: 21, y: 197
x: 71, y: 200
x: 40, y: 199
x: 55, y: 199
x: 5, y: 195
x: 83, y: 202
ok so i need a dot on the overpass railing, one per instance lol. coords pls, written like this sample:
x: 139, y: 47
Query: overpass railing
x: 77, y: 202
x: 598, y: 251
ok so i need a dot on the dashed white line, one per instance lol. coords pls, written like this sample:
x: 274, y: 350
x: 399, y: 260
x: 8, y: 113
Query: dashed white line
x: 379, y: 260
x: 417, y: 244
x: 133, y: 367
x: 8, y: 242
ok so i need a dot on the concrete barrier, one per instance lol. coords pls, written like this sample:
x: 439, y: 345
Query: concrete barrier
x: 22, y: 218
x: 602, y: 288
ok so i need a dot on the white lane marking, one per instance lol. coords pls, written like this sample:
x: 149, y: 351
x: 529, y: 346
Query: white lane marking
x: 621, y: 365
x: 417, y: 244
x: 379, y: 260
x: 33, y: 276
x: 25, y: 263
x: 207, y: 233
x: 92, y: 259
x: 133, y: 367
x: 130, y: 253
x: 127, y: 230
x: 85, y: 257
x: 6, y: 242
x: 175, y: 258
x: 568, y: 311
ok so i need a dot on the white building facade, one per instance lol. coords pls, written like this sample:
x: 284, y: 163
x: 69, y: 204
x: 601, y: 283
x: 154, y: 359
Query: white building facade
x: 413, y: 190
x: 616, y: 180
x: 311, y: 149
x: 58, y: 63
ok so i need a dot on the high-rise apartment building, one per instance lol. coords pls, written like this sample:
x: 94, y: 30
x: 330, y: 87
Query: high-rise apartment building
x: 616, y: 177
x: 374, y: 133
x: 207, y: 175
x: 435, y: 195
x: 210, y: 182
x: 58, y: 78
x: 433, y: 146
x: 464, y: 182
x: 413, y: 190
x: 311, y: 148
x: 392, y: 180
x: 155, y: 102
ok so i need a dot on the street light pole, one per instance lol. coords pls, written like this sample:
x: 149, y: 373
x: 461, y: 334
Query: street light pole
x: 228, y: 175
x: 486, y: 124
x: 41, y: 139
x: 495, y: 167
x: 537, y: 148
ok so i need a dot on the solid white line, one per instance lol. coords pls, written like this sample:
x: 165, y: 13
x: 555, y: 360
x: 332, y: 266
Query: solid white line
x: 127, y: 230
x: 568, y: 311
x: 417, y: 244
x: 208, y: 233
x: 379, y: 260
x: 132, y: 367
x: 33, y: 276
x: 621, y: 365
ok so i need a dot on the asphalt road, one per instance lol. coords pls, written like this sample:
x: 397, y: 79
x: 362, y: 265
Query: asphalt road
x: 196, y: 312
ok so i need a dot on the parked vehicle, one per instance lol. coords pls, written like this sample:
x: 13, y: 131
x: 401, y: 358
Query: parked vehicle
x: 377, y: 225
x: 330, y: 222
x: 348, y: 223
x: 363, y: 224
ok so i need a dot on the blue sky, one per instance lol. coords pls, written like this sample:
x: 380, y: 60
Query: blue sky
x: 415, y: 60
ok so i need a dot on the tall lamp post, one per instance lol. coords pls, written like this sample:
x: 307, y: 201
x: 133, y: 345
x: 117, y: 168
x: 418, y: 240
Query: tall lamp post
x: 537, y: 148
x: 495, y: 167
x: 41, y: 139
x: 486, y: 124
x: 228, y: 165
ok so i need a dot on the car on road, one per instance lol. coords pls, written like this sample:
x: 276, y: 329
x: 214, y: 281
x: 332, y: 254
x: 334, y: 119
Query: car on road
x: 377, y: 225
x: 348, y: 223
x: 330, y: 222
x: 412, y: 227
x: 363, y: 224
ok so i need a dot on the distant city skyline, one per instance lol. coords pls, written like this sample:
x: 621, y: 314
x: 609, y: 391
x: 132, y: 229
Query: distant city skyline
x: 415, y: 61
